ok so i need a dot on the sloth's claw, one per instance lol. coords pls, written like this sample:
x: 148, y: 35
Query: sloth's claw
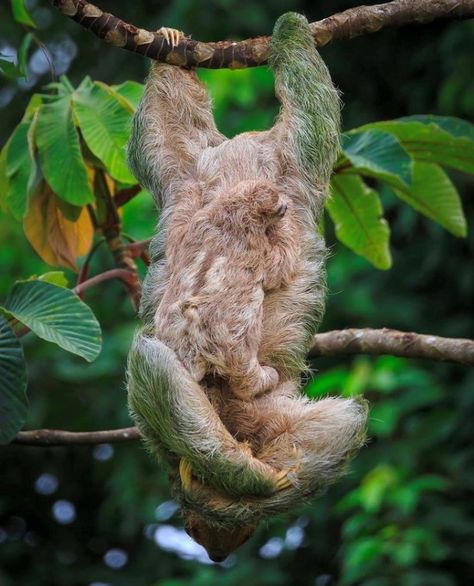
x: 186, y: 474
x: 171, y: 35
x: 282, y: 480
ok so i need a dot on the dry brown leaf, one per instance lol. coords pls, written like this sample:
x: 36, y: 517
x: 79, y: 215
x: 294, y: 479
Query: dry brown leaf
x: 57, y: 240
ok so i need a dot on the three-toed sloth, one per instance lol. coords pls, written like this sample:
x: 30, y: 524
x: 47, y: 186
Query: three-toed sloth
x: 233, y: 297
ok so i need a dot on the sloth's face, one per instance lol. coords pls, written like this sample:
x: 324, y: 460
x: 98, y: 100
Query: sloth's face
x: 218, y: 542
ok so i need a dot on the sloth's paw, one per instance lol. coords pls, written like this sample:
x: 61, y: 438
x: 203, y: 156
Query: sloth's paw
x: 171, y: 35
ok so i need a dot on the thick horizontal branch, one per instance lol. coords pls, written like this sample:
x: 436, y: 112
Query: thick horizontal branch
x: 351, y: 341
x: 251, y: 52
x: 58, y: 437
x: 394, y: 342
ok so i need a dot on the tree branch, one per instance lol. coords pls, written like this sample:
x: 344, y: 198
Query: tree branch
x: 58, y: 437
x: 351, y: 341
x: 123, y: 274
x: 251, y: 52
x: 394, y: 342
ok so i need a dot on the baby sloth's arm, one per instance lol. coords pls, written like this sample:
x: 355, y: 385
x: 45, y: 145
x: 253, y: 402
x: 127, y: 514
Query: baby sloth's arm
x: 282, y: 254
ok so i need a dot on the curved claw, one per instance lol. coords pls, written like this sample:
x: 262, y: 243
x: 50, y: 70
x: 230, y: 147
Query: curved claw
x: 186, y: 474
x: 171, y: 35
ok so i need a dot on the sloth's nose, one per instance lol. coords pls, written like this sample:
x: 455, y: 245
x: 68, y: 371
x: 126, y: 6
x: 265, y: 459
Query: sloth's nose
x: 281, y: 211
x: 217, y: 557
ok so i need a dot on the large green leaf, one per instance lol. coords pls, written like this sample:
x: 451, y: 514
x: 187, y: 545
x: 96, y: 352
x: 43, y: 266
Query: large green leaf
x: 13, y: 401
x: 131, y: 91
x: 376, y: 154
x: 105, y: 126
x: 356, y: 212
x: 444, y: 140
x: 433, y: 194
x: 21, y: 169
x: 57, y: 315
x: 60, y: 154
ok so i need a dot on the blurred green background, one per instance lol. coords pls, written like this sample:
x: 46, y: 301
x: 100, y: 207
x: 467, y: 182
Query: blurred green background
x: 404, y: 515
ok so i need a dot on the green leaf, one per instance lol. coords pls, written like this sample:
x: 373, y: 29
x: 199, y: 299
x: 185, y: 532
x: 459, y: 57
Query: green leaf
x: 21, y: 14
x: 444, y: 140
x: 56, y: 315
x: 433, y: 194
x: 23, y: 53
x: 105, y: 126
x: 356, y: 212
x: 4, y: 183
x: 21, y: 168
x: 377, y: 154
x: 54, y: 277
x: 60, y: 154
x: 13, y: 401
x: 131, y: 91
x: 9, y: 69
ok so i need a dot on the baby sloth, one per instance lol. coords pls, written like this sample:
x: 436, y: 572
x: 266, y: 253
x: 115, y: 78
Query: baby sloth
x: 235, y: 248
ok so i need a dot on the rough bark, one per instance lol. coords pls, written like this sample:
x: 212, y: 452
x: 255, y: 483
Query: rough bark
x: 394, y: 342
x: 336, y: 343
x: 251, y: 52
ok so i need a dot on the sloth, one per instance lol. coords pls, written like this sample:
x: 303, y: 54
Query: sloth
x: 232, y: 249
x: 237, y: 454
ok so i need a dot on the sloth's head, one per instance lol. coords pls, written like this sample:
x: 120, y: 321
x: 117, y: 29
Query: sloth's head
x: 219, y: 542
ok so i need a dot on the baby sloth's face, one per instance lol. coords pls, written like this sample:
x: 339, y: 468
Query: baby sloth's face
x: 270, y: 204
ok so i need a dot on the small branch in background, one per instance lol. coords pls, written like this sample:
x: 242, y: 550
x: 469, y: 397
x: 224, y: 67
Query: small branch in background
x: 84, y: 272
x: 123, y: 274
x: 58, y: 437
x: 108, y: 221
x: 335, y: 343
x: 394, y: 342
x: 125, y: 195
x: 251, y: 52
x: 140, y: 250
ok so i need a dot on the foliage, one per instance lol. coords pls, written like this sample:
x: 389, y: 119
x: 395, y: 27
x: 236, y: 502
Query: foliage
x: 9, y: 69
x: 64, y: 138
x: 403, y: 514
x: 54, y: 314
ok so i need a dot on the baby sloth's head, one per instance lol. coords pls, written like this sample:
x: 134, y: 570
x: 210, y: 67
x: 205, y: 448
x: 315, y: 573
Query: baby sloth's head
x: 260, y: 202
x: 267, y: 203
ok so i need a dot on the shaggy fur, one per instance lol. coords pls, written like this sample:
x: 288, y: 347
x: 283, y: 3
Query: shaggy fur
x: 179, y: 374
x: 232, y: 249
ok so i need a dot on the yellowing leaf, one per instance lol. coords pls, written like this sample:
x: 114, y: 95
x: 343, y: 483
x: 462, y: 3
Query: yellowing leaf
x: 57, y: 240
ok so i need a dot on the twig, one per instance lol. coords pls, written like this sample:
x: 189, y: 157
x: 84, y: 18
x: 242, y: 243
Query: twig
x: 251, y: 52
x: 58, y: 437
x: 394, y: 342
x: 109, y: 222
x: 125, y: 195
x: 351, y: 341
x: 139, y: 249
x: 123, y: 274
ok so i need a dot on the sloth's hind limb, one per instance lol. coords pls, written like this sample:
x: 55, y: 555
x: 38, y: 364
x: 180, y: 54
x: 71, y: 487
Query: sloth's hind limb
x: 178, y: 421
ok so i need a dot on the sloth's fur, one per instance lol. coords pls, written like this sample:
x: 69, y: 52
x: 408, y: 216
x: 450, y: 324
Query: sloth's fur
x: 222, y: 257
x: 191, y: 408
